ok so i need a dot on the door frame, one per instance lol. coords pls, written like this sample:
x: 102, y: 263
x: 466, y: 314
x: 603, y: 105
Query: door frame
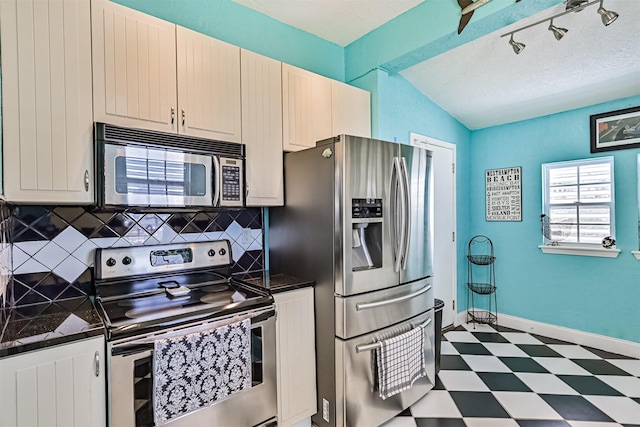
x: 427, y: 142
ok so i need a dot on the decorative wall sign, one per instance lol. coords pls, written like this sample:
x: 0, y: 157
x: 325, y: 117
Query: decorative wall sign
x: 615, y: 130
x: 504, y: 194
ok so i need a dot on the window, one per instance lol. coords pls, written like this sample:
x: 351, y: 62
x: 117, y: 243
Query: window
x: 578, y: 200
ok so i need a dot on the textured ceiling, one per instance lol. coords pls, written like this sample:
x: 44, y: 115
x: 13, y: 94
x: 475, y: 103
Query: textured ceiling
x: 339, y: 21
x: 483, y: 83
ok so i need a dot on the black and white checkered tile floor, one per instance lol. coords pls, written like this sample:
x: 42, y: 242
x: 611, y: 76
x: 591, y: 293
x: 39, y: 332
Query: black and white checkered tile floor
x: 500, y: 377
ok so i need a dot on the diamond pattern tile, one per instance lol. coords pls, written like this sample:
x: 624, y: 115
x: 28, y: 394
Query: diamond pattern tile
x: 57, y: 244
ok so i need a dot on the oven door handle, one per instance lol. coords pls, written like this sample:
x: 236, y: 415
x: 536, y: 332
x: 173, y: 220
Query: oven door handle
x: 367, y: 305
x: 378, y: 344
x: 125, y: 350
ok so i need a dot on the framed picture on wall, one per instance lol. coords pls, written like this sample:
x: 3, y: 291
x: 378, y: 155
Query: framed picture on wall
x: 615, y: 130
x: 503, y: 194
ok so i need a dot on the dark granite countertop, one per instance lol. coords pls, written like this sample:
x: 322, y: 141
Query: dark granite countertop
x: 38, y: 326
x: 274, y: 282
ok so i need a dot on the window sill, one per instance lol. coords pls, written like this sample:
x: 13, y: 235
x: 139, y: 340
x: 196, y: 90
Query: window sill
x: 580, y: 250
x: 636, y: 254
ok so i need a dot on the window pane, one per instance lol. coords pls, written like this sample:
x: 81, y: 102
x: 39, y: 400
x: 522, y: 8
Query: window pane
x: 563, y: 194
x: 595, y: 173
x: 563, y: 214
x: 563, y: 233
x: 594, y: 233
x: 595, y: 215
x: 563, y: 176
x: 595, y: 193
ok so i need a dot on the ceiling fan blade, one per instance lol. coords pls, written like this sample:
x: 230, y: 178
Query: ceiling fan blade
x: 464, y: 3
x: 464, y: 20
x: 473, y: 6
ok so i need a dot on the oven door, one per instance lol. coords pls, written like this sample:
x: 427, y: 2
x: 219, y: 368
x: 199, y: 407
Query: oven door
x: 139, y: 176
x: 130, y: 383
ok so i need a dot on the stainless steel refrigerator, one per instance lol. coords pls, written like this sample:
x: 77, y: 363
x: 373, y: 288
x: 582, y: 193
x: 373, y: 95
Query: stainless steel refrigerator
x: 357, y: 219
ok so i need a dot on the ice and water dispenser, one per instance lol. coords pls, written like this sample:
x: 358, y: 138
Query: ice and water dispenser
x: 366, y: 239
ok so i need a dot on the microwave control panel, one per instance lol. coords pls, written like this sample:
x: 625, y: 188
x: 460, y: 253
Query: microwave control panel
x: 366, y: 208
x: 231, y: 181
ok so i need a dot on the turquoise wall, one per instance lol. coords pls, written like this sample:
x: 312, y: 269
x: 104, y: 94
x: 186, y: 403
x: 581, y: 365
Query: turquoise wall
x: 241, y: 26
x: 598, y: 295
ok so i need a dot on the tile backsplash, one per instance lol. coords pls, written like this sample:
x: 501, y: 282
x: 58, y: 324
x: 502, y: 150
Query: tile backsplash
x: 47, y: 251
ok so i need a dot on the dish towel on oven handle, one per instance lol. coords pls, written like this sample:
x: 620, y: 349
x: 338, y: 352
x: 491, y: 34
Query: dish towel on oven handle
x: 400, y: 362
x: 195, y: 370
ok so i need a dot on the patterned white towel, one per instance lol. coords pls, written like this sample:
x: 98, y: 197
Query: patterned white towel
x: 193, y: 371
x: 400, y: 362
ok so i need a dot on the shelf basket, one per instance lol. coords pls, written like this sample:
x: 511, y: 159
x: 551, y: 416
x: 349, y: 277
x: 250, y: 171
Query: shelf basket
x: 484, y: 317
x: 482, y: 288
x: 481, y: 259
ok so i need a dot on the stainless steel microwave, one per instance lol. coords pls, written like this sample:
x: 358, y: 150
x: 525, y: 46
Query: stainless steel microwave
x: 147, y: 169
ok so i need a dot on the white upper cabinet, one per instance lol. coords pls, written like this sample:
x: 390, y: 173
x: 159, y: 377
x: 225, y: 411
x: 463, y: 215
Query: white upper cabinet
x: 61, y: 386
x: 47, y: 124
x: 262, y: 128
x: 208, y: 86
x: 350, y: 110
x: 306, y: 108
x: 134, y: 68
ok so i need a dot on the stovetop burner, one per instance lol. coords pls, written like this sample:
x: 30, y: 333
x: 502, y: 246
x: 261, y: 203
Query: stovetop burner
x: 140, y: 289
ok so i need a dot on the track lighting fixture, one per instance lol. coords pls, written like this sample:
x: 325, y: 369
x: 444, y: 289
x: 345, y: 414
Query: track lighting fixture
x: 558, y: 33
x: 517, y: 47
x: 607, y: 16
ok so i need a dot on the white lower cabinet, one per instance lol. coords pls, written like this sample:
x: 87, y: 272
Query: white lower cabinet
x: 61, y: 386
x: 295, y: 353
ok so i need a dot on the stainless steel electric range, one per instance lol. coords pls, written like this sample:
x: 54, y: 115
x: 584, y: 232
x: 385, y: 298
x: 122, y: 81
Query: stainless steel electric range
x: 147, y: 293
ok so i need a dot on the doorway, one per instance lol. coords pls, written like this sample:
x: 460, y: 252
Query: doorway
x: 444, y: 222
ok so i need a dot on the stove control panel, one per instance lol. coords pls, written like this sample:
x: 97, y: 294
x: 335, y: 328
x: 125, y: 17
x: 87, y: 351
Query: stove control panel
x: 136, y: 260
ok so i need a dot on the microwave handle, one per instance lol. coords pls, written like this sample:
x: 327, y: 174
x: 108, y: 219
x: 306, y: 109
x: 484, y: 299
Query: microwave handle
x: 216, y: 181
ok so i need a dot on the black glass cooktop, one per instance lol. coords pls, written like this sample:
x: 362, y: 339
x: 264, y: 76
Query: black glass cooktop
x: 137, y: 305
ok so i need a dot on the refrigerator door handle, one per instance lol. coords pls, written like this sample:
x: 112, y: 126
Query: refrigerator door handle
x: 406, y: 227
x: 398, y: 214
x: 367, y: 305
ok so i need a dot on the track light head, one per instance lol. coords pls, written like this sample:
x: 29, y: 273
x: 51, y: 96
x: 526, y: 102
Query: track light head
x: 608, y: 16
x: 517, y: 47
x: 558, y: 33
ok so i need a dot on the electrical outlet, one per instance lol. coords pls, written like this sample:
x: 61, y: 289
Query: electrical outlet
x: 246, y: 236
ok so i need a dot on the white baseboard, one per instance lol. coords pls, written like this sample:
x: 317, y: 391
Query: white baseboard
x: 602, y: 342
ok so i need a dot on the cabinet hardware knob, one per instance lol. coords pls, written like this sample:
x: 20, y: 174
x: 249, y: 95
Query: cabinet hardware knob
x: 96, y: 363
x: 184, y: 116
x: 86, y: 180
x: 173, y: 115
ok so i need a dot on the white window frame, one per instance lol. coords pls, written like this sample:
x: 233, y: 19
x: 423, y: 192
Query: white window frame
x: 579, y: 248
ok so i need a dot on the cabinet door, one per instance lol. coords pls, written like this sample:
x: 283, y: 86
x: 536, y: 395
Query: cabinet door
x: 350, y: 110
x: 262, y: 128
x: 306, y: 108
x: 295, y: 352
x: 55, y: 387
x: 208, y: 86
x: 46, y: 96
x: 134, y: 68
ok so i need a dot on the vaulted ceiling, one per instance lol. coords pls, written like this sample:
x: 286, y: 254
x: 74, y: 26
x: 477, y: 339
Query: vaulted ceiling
x: 483, y: 82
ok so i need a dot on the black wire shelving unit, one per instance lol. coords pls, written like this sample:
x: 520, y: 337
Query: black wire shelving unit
x: 481, y: 265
